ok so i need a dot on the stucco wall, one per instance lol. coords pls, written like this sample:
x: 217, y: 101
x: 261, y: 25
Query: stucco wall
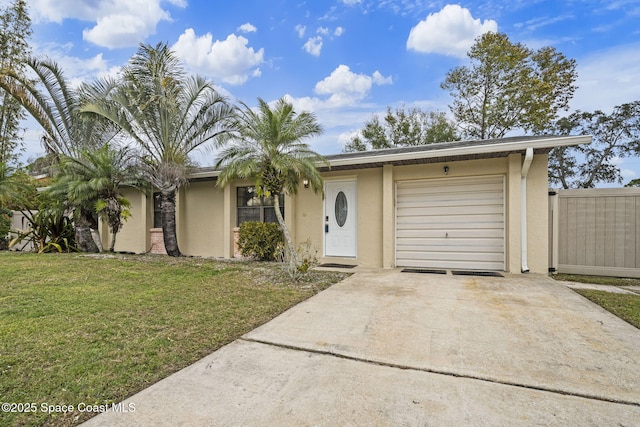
x: 538, y: 215
x: 201, y: 219
x: 134, y: 235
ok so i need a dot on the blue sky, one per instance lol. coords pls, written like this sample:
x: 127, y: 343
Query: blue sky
x: 342, y: 59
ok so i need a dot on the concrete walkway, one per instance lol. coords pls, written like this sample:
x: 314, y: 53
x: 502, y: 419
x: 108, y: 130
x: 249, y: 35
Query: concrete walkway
x: 605, y: 288
x: 390, y: 348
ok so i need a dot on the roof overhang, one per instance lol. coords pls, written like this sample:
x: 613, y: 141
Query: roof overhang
x: 433, y: 153
x: 451, y: 151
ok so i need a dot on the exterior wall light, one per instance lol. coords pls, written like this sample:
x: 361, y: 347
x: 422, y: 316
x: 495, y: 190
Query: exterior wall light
x: 305, y: 182
x: 446, y: 170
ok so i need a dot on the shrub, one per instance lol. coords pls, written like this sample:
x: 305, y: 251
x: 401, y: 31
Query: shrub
x: 260, y: 240
x: 50, y: 230
x: 5, y: 225
x: 307, y: 258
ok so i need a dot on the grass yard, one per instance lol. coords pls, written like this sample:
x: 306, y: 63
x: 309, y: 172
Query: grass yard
x: 96, y: 329
x: 625, y: 306
x: 597, y: 280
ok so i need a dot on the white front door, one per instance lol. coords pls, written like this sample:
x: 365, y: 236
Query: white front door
x: 340, y: 218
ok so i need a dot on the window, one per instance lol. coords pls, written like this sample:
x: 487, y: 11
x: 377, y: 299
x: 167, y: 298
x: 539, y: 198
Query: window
x: 157, y: 210
x: 255, y: 208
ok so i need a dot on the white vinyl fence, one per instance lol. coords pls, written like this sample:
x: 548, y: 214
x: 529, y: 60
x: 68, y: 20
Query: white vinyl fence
x: 595, y: 231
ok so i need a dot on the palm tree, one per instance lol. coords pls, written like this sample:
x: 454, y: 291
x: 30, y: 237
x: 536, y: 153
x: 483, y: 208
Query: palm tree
x: 55, y: 106
x: 265, y: 147
x: 93, y: 180
x: 169, y: 114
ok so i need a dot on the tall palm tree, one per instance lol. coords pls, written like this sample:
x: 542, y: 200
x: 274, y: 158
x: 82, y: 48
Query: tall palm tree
x: 51, y: 101
x: 93, y: 181
x: 169, y: 114
x: 266, y: 146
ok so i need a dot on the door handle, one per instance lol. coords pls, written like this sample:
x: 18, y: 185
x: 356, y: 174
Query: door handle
x: 326, y: 228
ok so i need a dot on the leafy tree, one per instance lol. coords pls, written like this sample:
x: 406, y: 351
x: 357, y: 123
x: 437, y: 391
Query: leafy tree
x: 15, y: 30
x: 266, y: 146
x: 55, y: 106
x: 7, y: 183
x: 614, y: 135
x: 403, y: 127
x: 93, y: 182
x: 18, y: 190
x: 509, y: 86
x: 7, y: 189
x: 168, y: 114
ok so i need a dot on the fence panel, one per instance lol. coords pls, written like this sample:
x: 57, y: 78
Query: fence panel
x: 595, y: 231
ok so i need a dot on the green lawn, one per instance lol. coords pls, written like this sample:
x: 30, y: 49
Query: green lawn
x: 625, y: 306
x: 597, y: 280
x: 96, y: 329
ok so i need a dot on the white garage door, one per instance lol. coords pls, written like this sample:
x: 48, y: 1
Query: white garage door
x: 455, y: 223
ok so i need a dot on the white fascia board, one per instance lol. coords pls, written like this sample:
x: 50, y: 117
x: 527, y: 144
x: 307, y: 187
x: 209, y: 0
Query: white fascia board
x: 205, y: 174
x: 495, y: 147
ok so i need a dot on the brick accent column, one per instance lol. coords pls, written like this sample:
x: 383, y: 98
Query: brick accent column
x: 157, y: 241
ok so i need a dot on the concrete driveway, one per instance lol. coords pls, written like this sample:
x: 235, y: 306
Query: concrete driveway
x: 392, y: 348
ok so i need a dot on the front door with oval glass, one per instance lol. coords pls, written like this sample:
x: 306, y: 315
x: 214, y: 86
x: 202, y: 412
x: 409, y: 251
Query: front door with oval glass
x: 340, y: 218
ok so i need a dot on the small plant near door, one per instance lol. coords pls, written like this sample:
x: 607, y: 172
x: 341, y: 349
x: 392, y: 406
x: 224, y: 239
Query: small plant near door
x: 306, y: 255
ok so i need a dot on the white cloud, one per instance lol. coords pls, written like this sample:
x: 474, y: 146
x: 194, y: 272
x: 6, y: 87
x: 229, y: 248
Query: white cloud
x: 313, y: 46
x: 300, y: 29
x: 230, y: 60
x: 351, y: 2
x: 76, y: 70
x: 324, y: 31
x: 451, y: 31
x: 247, y: 28
x: 379, y: 79
x: 346, y: 87
x: 118, y: 23
x: 338, y: 31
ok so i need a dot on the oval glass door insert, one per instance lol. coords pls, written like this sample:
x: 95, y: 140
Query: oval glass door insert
x: 341, y: 208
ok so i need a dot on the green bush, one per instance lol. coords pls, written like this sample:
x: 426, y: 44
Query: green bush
x: 5, y: 225
x: 50, y: 230
x: 260, y: 240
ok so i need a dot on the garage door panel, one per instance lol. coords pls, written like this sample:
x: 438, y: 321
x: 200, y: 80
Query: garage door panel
x: 451, y: 220
x: 493, y: 209
x: 471, y: 233
x: 451, y: 223
x: 453, y: 245
x: 444, y: 256
x: 454, y: 265
x: 451, y: 184
x: 460, y: 204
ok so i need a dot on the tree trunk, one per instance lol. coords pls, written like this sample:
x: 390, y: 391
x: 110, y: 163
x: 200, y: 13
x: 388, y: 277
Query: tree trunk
x: 112, y: 246
x: 293, y: 256
x: 84, y: 237
x: 168, y: 204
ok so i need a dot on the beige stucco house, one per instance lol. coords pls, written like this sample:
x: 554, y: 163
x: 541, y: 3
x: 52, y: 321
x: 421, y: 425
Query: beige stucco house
x: 477, y: 205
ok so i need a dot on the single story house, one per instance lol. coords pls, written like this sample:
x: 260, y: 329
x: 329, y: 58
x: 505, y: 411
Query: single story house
x: 477, y: 205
